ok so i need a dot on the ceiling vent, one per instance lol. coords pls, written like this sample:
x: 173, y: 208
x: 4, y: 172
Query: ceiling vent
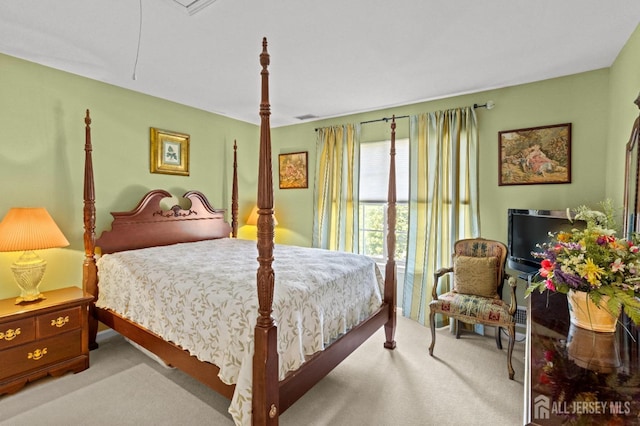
x: 306, y: 117
x: 194, y: 6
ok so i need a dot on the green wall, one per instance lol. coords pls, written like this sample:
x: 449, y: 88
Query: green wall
x: 624, y: 87
x: 578, y: 99
x: 42, y: 155
x: 42, y: 139
x: 599, y: 104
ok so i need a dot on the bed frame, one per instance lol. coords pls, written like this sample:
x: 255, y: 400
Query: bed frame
x: 149, y: 225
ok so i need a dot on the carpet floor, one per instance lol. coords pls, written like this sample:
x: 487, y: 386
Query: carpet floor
x: 465, y: 383
x: 128, y: 397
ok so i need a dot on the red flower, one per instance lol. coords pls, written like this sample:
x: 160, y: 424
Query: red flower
x: 545, y: 267
x: 605, y: 239
x: 550, y: 285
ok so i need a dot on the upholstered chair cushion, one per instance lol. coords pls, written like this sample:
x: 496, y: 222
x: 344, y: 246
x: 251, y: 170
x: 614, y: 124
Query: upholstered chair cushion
x: 473, y: 309
x: 476, y: 276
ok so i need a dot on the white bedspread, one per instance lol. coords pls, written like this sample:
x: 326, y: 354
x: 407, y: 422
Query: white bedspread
x: 202, y: 296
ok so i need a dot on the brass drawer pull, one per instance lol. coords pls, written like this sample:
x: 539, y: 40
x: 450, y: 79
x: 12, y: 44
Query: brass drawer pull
x: 59, y: 322
x: 10, y: 334
x: 37, y: 354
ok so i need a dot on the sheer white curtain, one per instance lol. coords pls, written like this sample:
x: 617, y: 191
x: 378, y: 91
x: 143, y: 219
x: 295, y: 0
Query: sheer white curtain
x: 443, y: 198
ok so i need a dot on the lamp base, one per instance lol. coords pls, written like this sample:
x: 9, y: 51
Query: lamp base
x: 30, y: 299
x: 28, y: 271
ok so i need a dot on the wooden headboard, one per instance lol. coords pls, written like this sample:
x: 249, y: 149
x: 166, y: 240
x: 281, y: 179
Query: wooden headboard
x: 149, y: 225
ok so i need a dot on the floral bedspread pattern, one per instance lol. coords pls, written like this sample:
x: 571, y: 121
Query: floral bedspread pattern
x: 202, y: 296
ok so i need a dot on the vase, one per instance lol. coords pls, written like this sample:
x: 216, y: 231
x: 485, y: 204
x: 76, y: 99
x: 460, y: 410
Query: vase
x: 584, y: 313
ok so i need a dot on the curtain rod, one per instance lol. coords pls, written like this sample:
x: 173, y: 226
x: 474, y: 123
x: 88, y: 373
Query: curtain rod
x: 384, y: 119
x: 488, y: 105
x: 374, y: 121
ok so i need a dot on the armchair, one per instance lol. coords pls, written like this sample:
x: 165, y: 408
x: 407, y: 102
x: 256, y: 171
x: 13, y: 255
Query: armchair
x: 478, y: 276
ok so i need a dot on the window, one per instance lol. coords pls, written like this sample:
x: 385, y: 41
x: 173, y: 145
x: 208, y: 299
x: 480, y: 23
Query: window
x: 374, y: 183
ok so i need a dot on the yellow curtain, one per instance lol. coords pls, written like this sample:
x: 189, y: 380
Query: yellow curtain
x: 335, y: 222
x: 443, y: 198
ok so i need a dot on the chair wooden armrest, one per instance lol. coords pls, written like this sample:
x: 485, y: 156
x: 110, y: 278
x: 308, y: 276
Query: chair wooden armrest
x: 512, y: 286
x: 440, y: 272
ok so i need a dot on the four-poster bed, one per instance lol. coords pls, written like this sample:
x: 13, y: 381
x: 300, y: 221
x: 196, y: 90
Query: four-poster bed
x: 128, y: 291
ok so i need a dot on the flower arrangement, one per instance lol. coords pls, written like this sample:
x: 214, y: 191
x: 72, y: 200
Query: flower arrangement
x: 595, y: 261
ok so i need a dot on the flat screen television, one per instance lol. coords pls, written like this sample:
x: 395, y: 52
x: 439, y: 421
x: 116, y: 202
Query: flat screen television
x: 527, y: 229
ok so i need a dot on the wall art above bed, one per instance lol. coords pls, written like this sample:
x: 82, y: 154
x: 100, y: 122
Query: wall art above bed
x: 169, y: 152
x: 535, y: 155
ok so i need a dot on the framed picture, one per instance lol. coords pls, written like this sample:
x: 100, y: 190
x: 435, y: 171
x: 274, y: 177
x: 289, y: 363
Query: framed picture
x: 293, y: 170
x: 535, y: 155
x: 169, y: 152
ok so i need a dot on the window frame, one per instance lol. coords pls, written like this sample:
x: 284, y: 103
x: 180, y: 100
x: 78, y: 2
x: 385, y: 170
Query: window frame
x: 384, y: 231
x: 401, y: 235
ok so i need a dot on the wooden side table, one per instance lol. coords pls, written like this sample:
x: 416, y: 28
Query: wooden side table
x: 47, y: 337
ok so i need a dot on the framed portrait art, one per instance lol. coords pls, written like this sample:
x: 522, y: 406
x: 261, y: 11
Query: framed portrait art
x: 536, y: 155
x: 293, y: 170
x: 169, y: 152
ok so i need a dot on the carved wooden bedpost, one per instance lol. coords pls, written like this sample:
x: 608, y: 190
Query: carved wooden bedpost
x: 89, y: 270
x: 265, y: 397
x: 234, y: 193
x: 390, y: 268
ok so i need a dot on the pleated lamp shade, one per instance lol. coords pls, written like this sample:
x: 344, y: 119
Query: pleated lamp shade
x: 29, y: 229
x: 253, y: 217
x: 26, y: 230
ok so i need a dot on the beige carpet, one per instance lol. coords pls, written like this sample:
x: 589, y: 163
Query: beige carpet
x: 466, y: 383
x: 131, y: 397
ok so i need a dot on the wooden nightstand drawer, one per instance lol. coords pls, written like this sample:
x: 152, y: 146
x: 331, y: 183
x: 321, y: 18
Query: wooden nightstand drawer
x: 17, y: 332
x: 59, y: 322
x: 45, y: 337
x: 31, y: 356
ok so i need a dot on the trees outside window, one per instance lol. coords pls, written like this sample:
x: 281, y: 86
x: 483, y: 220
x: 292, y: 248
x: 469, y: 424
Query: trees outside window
x: 373, y: 230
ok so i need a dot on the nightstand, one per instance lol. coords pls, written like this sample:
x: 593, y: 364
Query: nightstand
x: 47, y: 337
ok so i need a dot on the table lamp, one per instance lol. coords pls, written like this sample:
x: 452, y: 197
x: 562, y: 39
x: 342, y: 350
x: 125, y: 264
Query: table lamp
x: 29, y: 229
x: 253, y: 217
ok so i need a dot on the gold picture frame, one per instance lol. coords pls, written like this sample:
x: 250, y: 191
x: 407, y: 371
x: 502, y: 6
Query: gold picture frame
x: 169, y: 152
x: 535, y: 155
x: 293, y: 170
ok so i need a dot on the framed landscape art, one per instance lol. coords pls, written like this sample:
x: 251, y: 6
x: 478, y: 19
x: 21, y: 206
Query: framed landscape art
x: 535, y: 155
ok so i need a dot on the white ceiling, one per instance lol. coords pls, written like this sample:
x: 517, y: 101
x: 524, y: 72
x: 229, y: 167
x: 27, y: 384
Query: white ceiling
x: 328, y: 58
